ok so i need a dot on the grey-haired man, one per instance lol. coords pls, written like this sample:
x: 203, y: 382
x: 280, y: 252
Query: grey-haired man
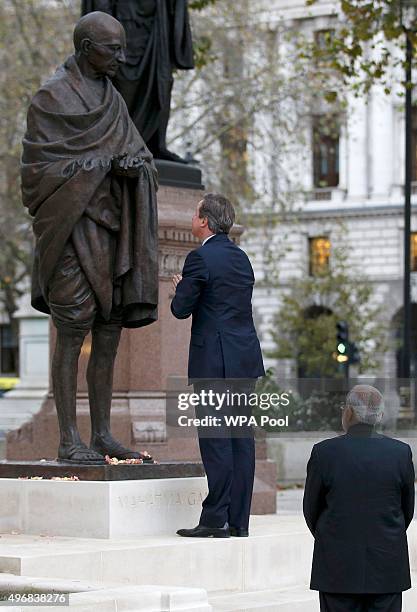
x: 358, y: 503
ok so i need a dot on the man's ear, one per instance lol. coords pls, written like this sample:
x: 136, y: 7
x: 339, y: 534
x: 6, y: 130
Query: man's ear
x: 85, y: 46
x: 348, y: 414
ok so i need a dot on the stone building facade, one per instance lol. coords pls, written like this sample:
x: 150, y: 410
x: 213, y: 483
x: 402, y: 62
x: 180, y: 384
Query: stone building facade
x: 364, y: 194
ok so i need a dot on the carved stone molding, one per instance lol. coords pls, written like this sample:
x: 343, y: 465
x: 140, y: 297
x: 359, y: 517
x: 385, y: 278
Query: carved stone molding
x: 170, y: 261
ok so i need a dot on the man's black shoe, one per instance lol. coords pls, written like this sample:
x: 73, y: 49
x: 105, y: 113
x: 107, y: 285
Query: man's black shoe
x: 205, y: 532
x: 238, y: 532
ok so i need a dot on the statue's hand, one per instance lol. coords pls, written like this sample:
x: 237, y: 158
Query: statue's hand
x: 127, y: 166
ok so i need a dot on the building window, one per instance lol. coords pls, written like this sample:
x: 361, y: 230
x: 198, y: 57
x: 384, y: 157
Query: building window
x: 8, y: 350
x: 326, y: 136
x: 319, y: 251
x: 413, y: 251
x: 323, y: 40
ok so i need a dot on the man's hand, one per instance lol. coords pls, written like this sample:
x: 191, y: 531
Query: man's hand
x: 127, y: 166
x: 175, y: 280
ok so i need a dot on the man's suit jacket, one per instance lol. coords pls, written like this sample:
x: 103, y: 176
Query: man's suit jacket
x: 216, y: 289
x: 358, y: 503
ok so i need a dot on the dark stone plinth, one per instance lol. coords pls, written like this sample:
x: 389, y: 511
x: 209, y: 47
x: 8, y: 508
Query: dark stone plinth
x: 175, y: 174
x: 145, y: 471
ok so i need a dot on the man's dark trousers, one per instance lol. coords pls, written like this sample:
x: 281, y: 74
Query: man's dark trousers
x: 216, y: 289
x: 332, y: 602
x: 228, y: 455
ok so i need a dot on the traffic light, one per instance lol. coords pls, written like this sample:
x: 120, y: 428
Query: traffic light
x: 347, y: 353
x: 342, y: 352
x: 353, y: 353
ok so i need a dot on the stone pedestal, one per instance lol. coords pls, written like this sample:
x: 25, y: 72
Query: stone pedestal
x: 103, y: 472
x: 147, y: 358
x: 100, y: 509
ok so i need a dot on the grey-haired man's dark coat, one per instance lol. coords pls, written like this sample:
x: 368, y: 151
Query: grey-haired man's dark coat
x: 358, y: 503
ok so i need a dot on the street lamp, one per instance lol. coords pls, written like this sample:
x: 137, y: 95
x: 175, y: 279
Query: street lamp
x: 408, y: 17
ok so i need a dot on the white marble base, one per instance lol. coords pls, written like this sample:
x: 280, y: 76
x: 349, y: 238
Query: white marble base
x: 277, y: 555
x: 100, y: 509
x: 139, y: 599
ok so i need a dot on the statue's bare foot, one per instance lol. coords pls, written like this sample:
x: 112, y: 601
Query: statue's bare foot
x: 79, y: 453
x: 107, y: 445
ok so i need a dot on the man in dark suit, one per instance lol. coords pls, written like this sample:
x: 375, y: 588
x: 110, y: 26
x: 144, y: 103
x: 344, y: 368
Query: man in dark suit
x: 358, y: 503
x: 216, y: 289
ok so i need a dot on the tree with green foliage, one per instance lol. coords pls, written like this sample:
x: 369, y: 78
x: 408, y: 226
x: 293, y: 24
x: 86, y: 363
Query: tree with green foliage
x: 243, y: 111
x: 305, y: 326
x: 35, y: 37
x: 318, y: 411
x: 367, y: 41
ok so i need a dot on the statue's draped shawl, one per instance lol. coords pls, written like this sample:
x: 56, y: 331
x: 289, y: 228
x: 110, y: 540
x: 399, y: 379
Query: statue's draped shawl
x: 145, y: 80
x: 66, y: 178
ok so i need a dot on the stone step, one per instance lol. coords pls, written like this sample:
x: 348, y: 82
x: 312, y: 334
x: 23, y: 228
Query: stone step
x: 268, y: 571
x: 297, y: 599
x: 12, y: 422
x: 18, y: 407
x: 139, y: 599
x: 9, y: 421
x: 90, y: 597
x: 15, y: 407
x: 276, y: 555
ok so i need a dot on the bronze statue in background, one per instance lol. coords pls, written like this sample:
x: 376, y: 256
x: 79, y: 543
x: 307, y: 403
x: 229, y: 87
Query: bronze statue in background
x: 158, y: 42
x: 89, y: 181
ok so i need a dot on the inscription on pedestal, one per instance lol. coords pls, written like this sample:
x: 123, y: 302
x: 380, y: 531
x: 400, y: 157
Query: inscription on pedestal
x: 161, y: 500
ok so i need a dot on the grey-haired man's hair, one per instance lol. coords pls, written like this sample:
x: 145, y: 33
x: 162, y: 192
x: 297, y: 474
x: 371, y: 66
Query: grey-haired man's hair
x: 367, y: 403
x: 219, y: 212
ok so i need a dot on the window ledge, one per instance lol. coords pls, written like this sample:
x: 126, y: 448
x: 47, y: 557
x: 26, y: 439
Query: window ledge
x: 326, y: 194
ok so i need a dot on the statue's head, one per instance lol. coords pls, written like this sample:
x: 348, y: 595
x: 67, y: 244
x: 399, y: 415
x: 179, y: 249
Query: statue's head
x: 101, y: 40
